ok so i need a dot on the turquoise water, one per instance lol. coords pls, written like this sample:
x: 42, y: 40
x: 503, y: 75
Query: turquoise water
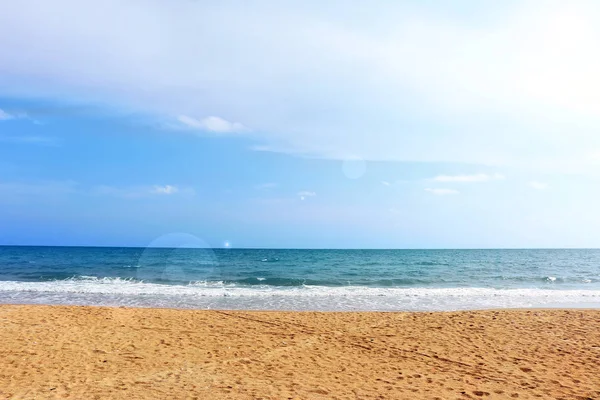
x: 300, y: 279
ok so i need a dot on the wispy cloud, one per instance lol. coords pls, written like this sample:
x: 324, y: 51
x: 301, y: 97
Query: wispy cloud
x: 385, y: 183
x: 37, y: 190
x: 538, y: 185
x: 34, y: 140
x: 133, y: 192
x: 274, y: 65
x: 107, y: 190
x: 305, y: 193
x: 468, y: 178
x: 266, y: 186
x: 4, y: 116
x: 45, y: 189
x: 212, y: 124
x: 442, y: 192
x: 167, y: 189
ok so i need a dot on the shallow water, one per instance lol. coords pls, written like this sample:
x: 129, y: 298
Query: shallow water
x: 387, y: 280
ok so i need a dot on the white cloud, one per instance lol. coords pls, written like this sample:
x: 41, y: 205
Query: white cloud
x: 212, y: 124
x: 312, y: 81
x: 442, y: 192
x: 305, y: 193
x: 167, y: 189
x: 63, y: 188
x: 133, y: 192
x: 385, y: 183
x: 468, y: 178
x: 538, y: 185
x: 4, y: 115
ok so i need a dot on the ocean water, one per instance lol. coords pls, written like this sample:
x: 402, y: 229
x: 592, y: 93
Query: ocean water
x: 383, y: 280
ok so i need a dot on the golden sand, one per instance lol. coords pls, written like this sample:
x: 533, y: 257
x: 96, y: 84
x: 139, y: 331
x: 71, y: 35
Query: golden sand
x: 120, y: 353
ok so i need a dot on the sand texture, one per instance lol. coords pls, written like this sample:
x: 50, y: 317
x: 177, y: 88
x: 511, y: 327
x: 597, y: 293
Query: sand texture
x: 120, y: 353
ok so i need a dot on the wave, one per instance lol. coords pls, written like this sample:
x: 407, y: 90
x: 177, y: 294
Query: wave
x: 277, y: 278
x: 220, y: 295
x: 431, y: 263
x: 348, y: 279
x: 91, y: 284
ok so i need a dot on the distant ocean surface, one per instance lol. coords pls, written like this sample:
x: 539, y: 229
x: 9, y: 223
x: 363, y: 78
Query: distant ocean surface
x: 343, y: 280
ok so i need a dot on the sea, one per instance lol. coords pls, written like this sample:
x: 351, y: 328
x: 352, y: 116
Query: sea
x: 318, y: 280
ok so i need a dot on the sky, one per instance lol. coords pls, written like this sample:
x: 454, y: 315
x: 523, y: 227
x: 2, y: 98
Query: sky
x: 300, y: 124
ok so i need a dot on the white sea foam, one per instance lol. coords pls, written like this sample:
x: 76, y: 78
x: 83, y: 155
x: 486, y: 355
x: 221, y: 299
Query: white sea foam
x: 128, y: 292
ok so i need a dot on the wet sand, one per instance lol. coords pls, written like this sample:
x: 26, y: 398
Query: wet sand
x: 121, y: 353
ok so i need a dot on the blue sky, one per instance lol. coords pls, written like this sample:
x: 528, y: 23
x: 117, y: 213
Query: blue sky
x: 392, y: 125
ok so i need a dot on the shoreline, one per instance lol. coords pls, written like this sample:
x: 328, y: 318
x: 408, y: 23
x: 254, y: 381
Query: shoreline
x: 236, y: 310
x: 52, y: 351
x: 308, y: 298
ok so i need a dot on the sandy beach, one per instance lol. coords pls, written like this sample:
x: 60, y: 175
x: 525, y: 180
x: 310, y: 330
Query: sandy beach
x: 103, y: 353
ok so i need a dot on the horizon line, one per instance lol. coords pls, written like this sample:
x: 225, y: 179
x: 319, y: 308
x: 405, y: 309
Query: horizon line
x: 303, y: 248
